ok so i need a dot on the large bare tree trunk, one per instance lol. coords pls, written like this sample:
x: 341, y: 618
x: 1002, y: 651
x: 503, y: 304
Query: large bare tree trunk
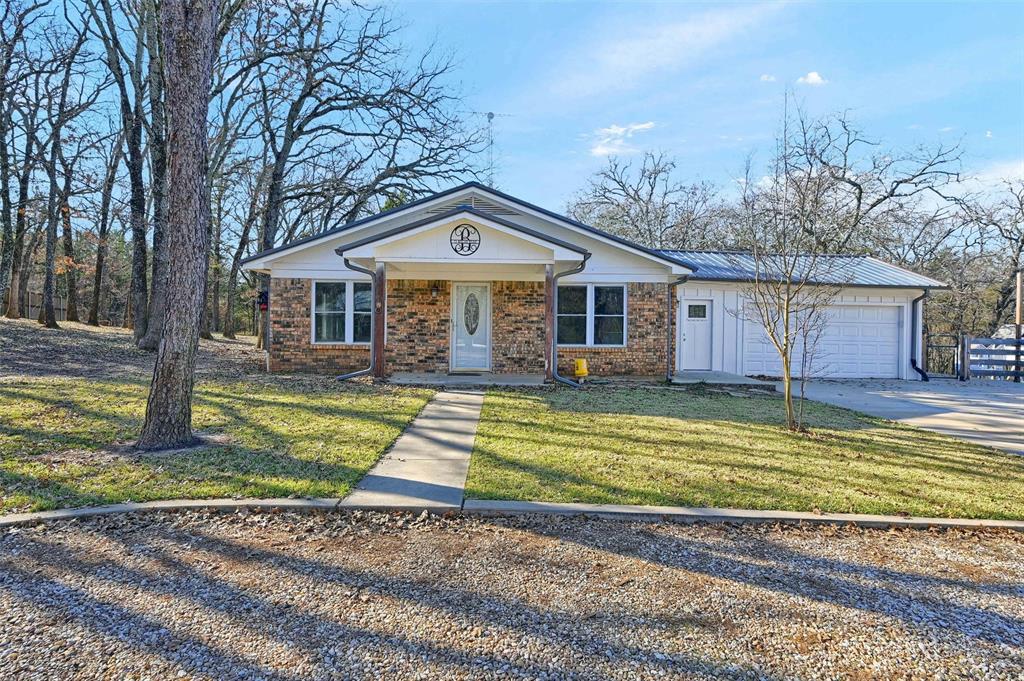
x: 22, y: 260
x: 27, y: 257
x: 69, y: 253
x: 158, y: 187
x: 7, y: 239
x: 48, y: 315
x: 188, y: 47
x: 104, y: 231
x: 137, y: 210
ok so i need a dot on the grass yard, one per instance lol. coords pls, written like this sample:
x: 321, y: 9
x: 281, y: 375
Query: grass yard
x: 58, y: 441
x: 71, y: 399
x: 698, y: 448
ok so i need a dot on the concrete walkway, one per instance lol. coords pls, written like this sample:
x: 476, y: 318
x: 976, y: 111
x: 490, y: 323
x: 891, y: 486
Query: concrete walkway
x: 426, y: 468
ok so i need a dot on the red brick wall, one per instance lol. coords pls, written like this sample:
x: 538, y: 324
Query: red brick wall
x: 517, y: 331
x: 418, y: 331
x: 291, y: 348
x: 418, y: 327
x: 644, y: 354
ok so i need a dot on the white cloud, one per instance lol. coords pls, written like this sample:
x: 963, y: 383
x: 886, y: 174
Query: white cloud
x: 767, y: 78
x: 988, y: 134
x: 620, y: 57
x: 995, y: 174
x: 948, y: 128
x: 614, y: 140
x: 813, y: 78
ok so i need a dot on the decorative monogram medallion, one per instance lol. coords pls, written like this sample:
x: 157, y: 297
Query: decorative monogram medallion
x: 465, y: 239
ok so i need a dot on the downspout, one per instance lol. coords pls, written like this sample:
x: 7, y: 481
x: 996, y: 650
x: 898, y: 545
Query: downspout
x: 373, y: 319
x: 670, y: 370
x: 914, y: 339
x: 554, y: 335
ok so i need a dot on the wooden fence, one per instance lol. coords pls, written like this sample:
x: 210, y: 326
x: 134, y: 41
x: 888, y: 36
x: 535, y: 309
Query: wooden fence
x: 996, y: 358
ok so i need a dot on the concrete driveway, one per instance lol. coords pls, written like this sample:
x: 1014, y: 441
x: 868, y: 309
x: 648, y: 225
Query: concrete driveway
x: 987, y: 412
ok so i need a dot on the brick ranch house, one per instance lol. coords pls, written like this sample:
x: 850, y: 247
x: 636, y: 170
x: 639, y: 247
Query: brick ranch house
x: 474, y: 280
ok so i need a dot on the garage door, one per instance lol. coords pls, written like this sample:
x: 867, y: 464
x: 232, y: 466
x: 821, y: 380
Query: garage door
x: 859, y: 341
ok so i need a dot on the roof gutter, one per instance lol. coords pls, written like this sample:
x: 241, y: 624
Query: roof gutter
x: 554, y: 336
x: 669, y: 369
x: 915, y: 335
x: 373, y: 320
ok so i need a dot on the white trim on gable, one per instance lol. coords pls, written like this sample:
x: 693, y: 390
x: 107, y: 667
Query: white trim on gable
x: 371, y: 250
x: 263, y: 263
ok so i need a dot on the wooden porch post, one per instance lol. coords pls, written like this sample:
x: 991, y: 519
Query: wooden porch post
x: 380, y: 284
x: 549, y: 320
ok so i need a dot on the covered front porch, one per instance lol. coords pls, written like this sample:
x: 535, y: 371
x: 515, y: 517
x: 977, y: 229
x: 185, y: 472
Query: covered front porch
x: 438, y: 311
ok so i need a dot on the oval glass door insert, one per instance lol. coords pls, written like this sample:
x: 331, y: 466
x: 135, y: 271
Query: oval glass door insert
x: 471, y: 314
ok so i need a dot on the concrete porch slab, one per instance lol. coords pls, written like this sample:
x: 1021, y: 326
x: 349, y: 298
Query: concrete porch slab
x: 483, y: 378
x: 716, y: 378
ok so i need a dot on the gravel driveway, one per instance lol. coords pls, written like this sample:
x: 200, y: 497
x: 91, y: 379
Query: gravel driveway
x: 369, y: 596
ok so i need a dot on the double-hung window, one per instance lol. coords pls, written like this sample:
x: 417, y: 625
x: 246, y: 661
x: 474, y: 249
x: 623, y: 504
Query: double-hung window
x: 341, y: 311
x: 592, y: 314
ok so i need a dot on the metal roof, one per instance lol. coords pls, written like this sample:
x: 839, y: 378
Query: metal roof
x: 846, y: 270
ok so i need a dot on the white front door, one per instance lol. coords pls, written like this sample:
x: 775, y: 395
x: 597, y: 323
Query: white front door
x: 696, y: 355
x: 471, y: 327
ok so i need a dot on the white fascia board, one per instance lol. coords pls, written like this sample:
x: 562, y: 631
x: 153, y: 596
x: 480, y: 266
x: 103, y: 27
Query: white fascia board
x: 263, y: 264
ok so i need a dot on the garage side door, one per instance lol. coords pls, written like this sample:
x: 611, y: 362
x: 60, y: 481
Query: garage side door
x: 859, y: 341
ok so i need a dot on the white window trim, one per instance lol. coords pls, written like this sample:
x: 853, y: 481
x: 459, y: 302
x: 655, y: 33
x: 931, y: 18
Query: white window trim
x: 591, y: 317
x: 349, y: 312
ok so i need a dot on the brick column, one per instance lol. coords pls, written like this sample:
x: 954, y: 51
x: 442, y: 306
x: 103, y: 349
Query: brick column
x: 380, y: 285
x: 549, y: 320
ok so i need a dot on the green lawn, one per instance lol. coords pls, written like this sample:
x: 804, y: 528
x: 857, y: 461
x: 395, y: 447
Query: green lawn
x: 284, y: 437
x: 695, y: 448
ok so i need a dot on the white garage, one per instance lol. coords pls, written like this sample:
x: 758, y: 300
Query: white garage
x: 872, y: 330
x: 858, y: 341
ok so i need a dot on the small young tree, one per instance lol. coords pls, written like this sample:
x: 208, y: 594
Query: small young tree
x: 792, y: 280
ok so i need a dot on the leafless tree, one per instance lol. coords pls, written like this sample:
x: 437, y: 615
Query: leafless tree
x: 121, y: 30
x: 792, y: 280
x: 28, y: 104
x: 647, y: 204
x: 188, y: 34
x: 68, y: 98
x: 345, y: 122
x: 111, y: 163
x: 1001, y: 216
x: 156, y: 136
x: 16, y: 69
x: 872, y: 186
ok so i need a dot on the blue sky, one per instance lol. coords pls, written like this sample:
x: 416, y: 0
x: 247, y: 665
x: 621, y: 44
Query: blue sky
x: 705, y: 82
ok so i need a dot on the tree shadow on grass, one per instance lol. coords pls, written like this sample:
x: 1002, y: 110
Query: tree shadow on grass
x: 667, y: 447
x: 70, y: 447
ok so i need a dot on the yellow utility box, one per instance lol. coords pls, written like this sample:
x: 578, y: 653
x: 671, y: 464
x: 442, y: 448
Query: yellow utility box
x: 581, y: 368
